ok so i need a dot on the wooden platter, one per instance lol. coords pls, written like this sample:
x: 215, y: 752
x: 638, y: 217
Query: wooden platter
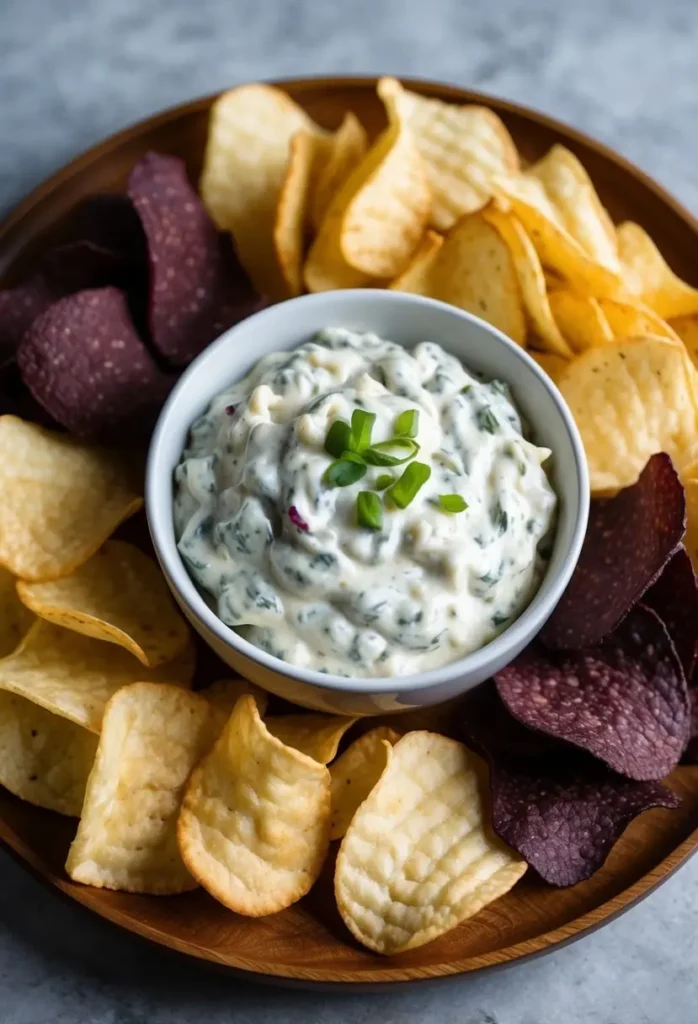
x: 308, y: 942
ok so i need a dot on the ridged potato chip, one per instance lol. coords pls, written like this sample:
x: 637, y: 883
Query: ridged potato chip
x: 318, y: 736
x: 355, y: 773
x: 289, y: 224
x: 44, y: 758
x: 572, y: 232
x: 463, y: 148
x: 633, y: 319
x: 254, y: 828
x: 580, y: 319
x: 631, y: 399
x: 418, y: 857
x: 15, y: 619
x: 648, y: 277
x: 225, y: 693
x: 531, y: 278
x: 153, y: 735
x: 245, y: 164
x: 74, y: 675
x: 61, y: 500
x: 120, y: 596
x: 347, y: 148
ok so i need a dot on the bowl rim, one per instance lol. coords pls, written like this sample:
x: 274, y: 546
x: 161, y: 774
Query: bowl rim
x: 540, y: 606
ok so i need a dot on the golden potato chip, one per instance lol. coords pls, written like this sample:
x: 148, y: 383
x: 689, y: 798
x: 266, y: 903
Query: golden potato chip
x: 119, y: 595
x: 581, y: 319
x: 419, y: 857
x: 355, y: 773
x: 254, y: 828
x: 686, y: 327
x: 347, y: 148
x: 631, y: 399
x: 648, y: 277
x: 633, y: 319
x: 415, y: 276
x: 463, y: 148
x: 74, y: 675
x: 289, y: 225
x: 531, y: 278
x: 325, y: 268
x: 15, y: 619
x: 245, y: 164
x: 224, y: 695
x: 318, y: 736
x: 153, y: 735
x: 44, y: 758
x: 551, y: 364
x: 61, y: 499
x: 572, y: 232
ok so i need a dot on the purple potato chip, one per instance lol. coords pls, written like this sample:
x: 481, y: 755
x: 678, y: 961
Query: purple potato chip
x: 85, y: 364
x: 629, y: 540
x: 562, y: 810
x: 18, y: 308
x: 690, y: 754
x: 197, y: 291
x: 625, y: 701
x: 674, y: 597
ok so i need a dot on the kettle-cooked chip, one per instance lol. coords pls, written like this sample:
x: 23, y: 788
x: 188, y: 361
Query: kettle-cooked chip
x: 630, y: 319
x: 318, y: 736
x: 648, y: 277
x: 61, y: 499
x: 224, y: 695
x: 580, y: 319
x: 289, y: 224
x: 347, y: 148
x: 74, y: 675
x: 418, y: 857
x: 44, y: 758
x: 255, y: 821
x: 687, y: 329
x: 15, y: 619
x: 354, y: 774
x: 119, y: 595
x: 153, y: 735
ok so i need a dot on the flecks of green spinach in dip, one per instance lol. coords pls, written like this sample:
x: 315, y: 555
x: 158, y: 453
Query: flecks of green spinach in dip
x: 281, y: 556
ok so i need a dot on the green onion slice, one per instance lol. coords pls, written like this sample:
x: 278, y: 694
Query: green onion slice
x: 391, y: 453
x: 361, y: 429
x: 369, y: 510
x: 383, y: 481
x: 344, y: 472
x: 452, y: 503
x: 405, y: 489
x: 407, y: 423
x: 337, y: 439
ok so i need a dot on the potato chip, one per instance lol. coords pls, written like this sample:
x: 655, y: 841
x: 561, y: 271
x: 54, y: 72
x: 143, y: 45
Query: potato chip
x: 225, y: 693
x: 633, y: 319
x: 245, y: 164
x: 580, y: 319
x: 153, y: 735
x: 289, y: 225
x: 531, y: 278
x: 648, y: 277
x: 355, y: 773
x: 44, y: 758
x: 15, y: 619
x: 61, y: 500
x: 347, y: 148
x: 631, y: 399
x: 325, y: 268
x: 74, y: 675
x: 318, y: 736
x: 418, y: 857
x: 572, y: 232
x: 551, y: 364
x: 254, y: 827
x: 119, y: 595
x: 415, y: 276
x: 691, y: 538
x: 686, y: 327
x: 463, y: 148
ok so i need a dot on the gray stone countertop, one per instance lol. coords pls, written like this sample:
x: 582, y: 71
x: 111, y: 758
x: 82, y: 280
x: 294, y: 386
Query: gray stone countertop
x: 73, y: 71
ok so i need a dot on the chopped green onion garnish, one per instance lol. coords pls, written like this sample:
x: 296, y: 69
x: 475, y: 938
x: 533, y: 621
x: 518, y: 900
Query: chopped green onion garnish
x: 344, y: 472
x: 369, y: 510
x: 353, y: 457
x: 405, y: 489
x: 337, y: 439
x: 486, y: 420
x: 407, y: 423
x: 361, y: 428
x: 452, y: 503
x: 391, y: 453
x: 383, y: 481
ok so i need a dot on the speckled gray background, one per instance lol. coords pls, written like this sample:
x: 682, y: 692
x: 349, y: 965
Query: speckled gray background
x: 72, y: 71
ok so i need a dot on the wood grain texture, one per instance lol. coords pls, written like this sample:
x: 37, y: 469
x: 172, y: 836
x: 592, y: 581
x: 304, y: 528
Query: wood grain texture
x: 308, y: 942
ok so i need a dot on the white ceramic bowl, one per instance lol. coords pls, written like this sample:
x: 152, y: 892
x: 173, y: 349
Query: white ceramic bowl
x: 406, y: 319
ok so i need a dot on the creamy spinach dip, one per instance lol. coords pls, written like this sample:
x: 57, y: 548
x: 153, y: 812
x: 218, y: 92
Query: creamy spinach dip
x: 360, y: 509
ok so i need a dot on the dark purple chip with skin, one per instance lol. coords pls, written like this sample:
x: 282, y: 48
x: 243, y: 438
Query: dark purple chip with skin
x: 18, y: 308
x: 85, y: 364
x: 197, y: 288
x: 625, y: 701
x: 674, y: 597
x: 629, y: 540
x: 690, y: 754
x: 559, y: 808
